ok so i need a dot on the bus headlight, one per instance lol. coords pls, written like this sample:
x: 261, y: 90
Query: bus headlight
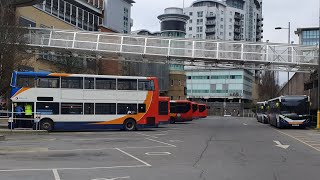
x: 178, y: 115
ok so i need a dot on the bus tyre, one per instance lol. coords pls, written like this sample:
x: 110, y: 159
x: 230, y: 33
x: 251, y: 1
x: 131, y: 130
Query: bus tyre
x: 130, y: 125
x: 172, y: 120
x: 46, y: 124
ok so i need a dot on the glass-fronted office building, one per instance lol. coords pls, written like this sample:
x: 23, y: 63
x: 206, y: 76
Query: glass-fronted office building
x: 219, y: 85
x: 308, y: 36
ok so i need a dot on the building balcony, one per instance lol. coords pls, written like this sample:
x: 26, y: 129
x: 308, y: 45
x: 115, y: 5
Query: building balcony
x: 237, y: 23
x: 210, y: 23
x: 237, y: 38
x: 237, y: 30
x: 238, y: 16
x: 211, y: 30
x: 211, y: 16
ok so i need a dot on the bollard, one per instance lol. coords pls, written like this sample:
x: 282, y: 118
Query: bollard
x: 318, y: 120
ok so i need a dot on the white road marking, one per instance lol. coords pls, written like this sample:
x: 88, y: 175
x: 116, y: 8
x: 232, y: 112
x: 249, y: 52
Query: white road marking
x: 157, y: 153
x: 281, y: 145
x: 127, y: 177
x: 56, y: 174
x: 91, y: 168
x: 160, y: 134
x: 175, y: 141
x: 92, y: 139
x: 145, y: 163
x: 298, y: 140
x: 245, y: 124
x: 171, y: 145
x: 147, y: 135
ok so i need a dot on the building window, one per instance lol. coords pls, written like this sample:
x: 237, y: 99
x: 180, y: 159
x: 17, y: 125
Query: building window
x: 211, y: 14
x: 221, y: 33
x: 230, y: 19
x: 190, y: 28
x: 221, y: 19
x: 200, y: 14
x: 190, y: 13
x: 230, y: 26
x: 190, y: 35
x: 230, y: 34
x: 190, y: 21
x: 171, y: 97
x: 199, y: 29
x: 179, y: 97
x: 179, y: 82
x: 199, y: 21
x: 221, y: 26
x: 26, y: 22
x: 171, y: 82
x: 222, y: 12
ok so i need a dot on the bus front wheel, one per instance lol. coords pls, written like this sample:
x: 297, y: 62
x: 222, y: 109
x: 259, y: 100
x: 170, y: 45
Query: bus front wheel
x: 130, y: 125
x: 172, y: 120
x: 46, y: 124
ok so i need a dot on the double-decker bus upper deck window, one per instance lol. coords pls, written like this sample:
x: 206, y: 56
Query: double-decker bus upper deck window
x: 88, y: 108
x: 105, y: 83
x: 25, y: 81
x: 46, y: 82
x: 202, y: 108
x: 72, y: 82
x: 194, y: 107
x: 127, y: 84
x: 146, y: 85
x: 89, y: 83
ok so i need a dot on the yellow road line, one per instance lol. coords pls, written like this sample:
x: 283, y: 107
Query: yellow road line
x: 299, y: 140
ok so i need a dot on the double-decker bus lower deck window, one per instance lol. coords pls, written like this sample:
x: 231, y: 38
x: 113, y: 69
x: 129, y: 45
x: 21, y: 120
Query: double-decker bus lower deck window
x: 145, y: 85
x: 163, y: 108
x: 71, y: 108
x: 127, y: 108
x: 48, y: 108
x: 105, y: 108
x: 89, y: 83
x: 72, y: 82
x: 25, y: 81
x: 142, y: 108
x: 202, y: 108
x: 194, y: 107
x: 48, y: 83
x: 105, y: 83
x: 127, y: 84
x: 89, y: 108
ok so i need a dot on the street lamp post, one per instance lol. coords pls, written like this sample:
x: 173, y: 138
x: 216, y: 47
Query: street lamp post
x: 289, y: 42
x: 318, y: 119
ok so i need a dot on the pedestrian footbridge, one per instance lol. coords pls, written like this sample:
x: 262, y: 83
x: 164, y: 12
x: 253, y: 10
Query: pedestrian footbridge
x: 190, y: 52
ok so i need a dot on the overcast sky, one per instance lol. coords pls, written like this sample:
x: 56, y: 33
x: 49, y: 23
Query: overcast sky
x: 301, y: 13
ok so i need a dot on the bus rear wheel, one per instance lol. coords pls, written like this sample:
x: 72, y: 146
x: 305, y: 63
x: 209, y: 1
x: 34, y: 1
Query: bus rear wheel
x: 130, y: 125
x: 46, y: 124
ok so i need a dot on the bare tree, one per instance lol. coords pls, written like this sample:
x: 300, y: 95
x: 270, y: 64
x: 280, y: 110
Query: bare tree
x: 12, y: 44
x: 268, y: 87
